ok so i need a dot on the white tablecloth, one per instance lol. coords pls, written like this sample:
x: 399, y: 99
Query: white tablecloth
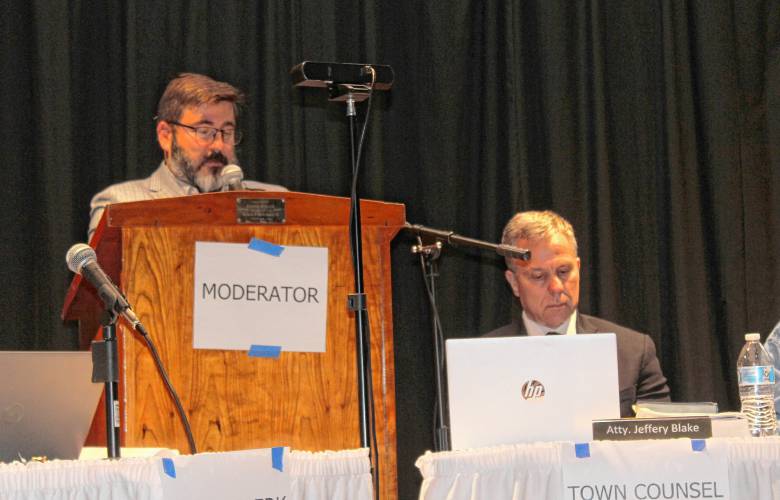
x: 315, y: 476
x: 535, y: 471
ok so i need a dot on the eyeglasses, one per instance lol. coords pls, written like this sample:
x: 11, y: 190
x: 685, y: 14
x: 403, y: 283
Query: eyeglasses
x: 206, y: 135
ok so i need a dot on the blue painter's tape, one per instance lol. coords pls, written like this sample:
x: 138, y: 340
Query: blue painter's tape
x: 168, y: 467
x: 582, y: 450
x: 698, y: 444
x: 277, y: 458
x: 265, y: 351
x: 266, y: 247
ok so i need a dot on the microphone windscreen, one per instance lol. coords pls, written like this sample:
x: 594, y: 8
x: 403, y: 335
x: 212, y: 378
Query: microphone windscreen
x: 78, y: 255
x: 232, y: 175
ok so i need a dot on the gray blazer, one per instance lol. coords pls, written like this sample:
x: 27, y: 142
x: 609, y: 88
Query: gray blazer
x: 639, y: 372
x: 161, y: 184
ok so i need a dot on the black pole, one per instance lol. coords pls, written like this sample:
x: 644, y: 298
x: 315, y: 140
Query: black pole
x: 351, y: 93
x: 105, y: 368
x: 357, y: 301
x: 112, y: 395
x: 442, y: 431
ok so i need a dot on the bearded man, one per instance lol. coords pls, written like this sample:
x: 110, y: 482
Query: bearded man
x: 198, y: 133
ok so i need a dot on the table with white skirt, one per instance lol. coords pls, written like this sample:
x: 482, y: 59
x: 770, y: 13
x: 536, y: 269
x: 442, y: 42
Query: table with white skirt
x: 315, y: 476
x: 536, y: 471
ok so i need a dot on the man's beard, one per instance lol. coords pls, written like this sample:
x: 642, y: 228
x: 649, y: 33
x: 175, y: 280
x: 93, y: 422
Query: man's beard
x: 204, y: 178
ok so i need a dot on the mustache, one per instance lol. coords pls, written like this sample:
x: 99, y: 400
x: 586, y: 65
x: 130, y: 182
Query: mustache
x: 216, y: 156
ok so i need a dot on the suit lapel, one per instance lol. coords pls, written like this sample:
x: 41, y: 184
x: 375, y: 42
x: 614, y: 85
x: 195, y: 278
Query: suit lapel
x: 584, y: 325
x: 520, y: 327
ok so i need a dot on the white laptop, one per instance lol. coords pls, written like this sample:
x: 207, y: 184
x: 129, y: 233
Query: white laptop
x: 522, y: 389
x: 47, y: 401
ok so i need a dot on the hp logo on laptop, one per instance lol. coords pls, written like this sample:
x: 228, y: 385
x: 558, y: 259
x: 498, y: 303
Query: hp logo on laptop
x: 533, y: 389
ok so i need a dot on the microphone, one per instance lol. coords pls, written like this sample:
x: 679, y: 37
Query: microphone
x: 232, y: 177
x: 456, y: 239
x: 81, y: 259
x: 513, y: 252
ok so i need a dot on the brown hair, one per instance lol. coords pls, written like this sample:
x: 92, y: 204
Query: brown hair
x: 192, y: 89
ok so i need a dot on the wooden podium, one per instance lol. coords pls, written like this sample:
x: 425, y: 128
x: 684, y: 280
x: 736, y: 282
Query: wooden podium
x: 307, y: 401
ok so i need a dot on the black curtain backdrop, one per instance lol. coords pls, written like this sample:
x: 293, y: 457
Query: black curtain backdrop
x: 654, y: 126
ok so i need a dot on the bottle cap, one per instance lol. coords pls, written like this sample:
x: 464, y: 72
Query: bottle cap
x: 752, y: 336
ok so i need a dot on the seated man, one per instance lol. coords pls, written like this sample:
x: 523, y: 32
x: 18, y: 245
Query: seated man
x: 772, y: 345
x: 548, y: 288
x: 197, y: 132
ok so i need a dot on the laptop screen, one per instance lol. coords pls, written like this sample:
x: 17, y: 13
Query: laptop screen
x: 523, y: 389
x: 47, y: 402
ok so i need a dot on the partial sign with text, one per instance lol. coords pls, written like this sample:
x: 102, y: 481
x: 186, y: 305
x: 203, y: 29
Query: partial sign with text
x: 675, y: 469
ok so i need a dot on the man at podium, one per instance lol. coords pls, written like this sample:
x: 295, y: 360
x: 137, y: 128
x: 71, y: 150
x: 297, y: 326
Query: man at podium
x: 197, y: 132
x: 548, y: 288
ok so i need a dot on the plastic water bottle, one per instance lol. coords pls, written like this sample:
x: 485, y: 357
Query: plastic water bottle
x: 756, y: 375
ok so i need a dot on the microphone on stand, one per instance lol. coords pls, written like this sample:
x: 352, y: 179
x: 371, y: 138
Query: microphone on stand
x: 81, y: 259
x: 232, y: 177
x: 456, y: 239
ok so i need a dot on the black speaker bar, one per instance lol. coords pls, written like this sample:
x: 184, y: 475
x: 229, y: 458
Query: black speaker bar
x: 322, y: 74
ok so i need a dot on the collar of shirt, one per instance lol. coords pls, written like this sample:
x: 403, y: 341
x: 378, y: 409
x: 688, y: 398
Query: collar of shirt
x: 165, y: 181
x: 568, y: 327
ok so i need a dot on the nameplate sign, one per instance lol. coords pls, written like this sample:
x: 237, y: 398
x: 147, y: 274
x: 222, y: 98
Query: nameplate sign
x: 260, y: 294
x: 260, y: 211
x: 250, y: 474
x: 652, y: 428
x: 677, y: 469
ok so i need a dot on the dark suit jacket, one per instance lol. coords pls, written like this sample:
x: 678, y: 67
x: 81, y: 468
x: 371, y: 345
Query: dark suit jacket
x: 639, y: 372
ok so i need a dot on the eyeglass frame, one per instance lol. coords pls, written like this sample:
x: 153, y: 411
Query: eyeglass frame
x: 237, y: 136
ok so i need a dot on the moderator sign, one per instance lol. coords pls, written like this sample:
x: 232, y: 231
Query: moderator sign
x: 260, y: 294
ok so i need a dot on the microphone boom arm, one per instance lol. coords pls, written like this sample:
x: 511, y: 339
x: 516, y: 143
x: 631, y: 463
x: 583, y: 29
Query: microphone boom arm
x: 455, y: 239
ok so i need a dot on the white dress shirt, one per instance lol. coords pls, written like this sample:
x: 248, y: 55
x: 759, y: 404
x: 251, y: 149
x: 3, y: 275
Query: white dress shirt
x: 568, y: 327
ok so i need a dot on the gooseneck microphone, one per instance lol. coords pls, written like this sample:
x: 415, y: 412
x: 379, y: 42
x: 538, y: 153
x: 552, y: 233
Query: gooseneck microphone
x: 82, y: 260
x: 232, y: 177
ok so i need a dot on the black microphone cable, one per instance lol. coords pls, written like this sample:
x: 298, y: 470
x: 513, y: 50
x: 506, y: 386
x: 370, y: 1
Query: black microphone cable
x: 171, y: 391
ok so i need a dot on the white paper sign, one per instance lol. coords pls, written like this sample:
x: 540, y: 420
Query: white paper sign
x: 644, y: 470
x: 247, y: 474
x: 265, y: 295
